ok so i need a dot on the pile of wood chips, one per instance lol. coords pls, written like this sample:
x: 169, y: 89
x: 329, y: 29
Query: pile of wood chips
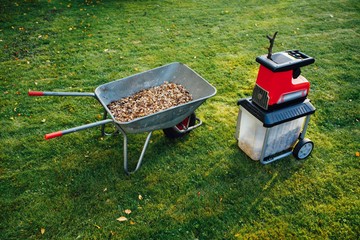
x: 149, y: 101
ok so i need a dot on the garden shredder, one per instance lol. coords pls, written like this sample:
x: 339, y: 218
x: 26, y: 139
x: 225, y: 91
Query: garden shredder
x: 272, y: 123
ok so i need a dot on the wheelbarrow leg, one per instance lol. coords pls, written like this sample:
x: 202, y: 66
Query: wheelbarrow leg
x: 103, y: 126
x: 141, y: 155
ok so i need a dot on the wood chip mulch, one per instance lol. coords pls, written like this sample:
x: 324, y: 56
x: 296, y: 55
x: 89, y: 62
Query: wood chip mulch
x: 149, y: 101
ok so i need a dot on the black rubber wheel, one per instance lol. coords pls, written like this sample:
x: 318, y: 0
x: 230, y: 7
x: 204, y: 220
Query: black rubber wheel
x: 303, y: 148
x: 187, y: 122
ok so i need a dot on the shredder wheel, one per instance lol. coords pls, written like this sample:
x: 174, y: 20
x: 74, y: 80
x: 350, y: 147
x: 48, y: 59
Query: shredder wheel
x: 303, y: 148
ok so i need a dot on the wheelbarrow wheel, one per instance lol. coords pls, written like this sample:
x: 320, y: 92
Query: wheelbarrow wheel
x: 303, y: 149
x: 175, y: 132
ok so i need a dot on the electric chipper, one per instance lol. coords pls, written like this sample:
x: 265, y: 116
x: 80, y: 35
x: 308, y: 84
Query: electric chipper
x: 272, y: 123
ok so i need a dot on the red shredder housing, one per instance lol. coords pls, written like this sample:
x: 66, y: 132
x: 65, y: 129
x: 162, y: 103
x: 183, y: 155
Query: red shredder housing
x: 279, y: 80
x: 281, y: 86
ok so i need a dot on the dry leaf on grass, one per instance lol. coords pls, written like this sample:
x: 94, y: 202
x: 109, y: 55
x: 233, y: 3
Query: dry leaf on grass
x: 42, y: 230
x: 122, y: 219
x: 127, y: 211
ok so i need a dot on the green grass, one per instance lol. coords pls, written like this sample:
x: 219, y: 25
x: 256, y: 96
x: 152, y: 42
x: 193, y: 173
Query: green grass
x: 198, y: 187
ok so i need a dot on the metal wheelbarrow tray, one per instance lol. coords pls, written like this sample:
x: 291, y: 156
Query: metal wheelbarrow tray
x: 179, y: 119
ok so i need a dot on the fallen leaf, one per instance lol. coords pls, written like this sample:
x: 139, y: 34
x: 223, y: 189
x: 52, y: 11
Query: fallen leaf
x: 140, y: 197
x: 122, y: 219
x: 127, y: 211
x: 97, y: 226
x: 132, y: 222
x: 42, y: 230
x: 357, y: 154
x: 44, y: 120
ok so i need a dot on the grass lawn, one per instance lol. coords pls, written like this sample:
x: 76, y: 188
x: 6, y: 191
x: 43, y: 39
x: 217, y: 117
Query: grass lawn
x: 201, y: 186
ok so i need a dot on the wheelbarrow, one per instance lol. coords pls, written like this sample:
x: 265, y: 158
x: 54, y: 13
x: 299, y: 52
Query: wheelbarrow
x: 175, y: 121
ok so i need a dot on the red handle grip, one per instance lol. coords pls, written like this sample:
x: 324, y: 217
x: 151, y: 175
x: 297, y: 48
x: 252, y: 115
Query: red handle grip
x: 35, y: 93
x: 53, y: 135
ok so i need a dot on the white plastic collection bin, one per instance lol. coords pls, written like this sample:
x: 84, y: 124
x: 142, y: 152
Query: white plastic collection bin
x: 252, y: 134
x: 276, y: 135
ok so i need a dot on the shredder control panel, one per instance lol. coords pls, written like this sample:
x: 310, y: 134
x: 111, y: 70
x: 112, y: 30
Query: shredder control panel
x: 286, y: 60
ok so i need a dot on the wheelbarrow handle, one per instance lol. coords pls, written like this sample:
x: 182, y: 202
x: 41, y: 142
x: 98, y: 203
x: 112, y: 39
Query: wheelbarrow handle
x: 74, y: 94
x: 75, y: 129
